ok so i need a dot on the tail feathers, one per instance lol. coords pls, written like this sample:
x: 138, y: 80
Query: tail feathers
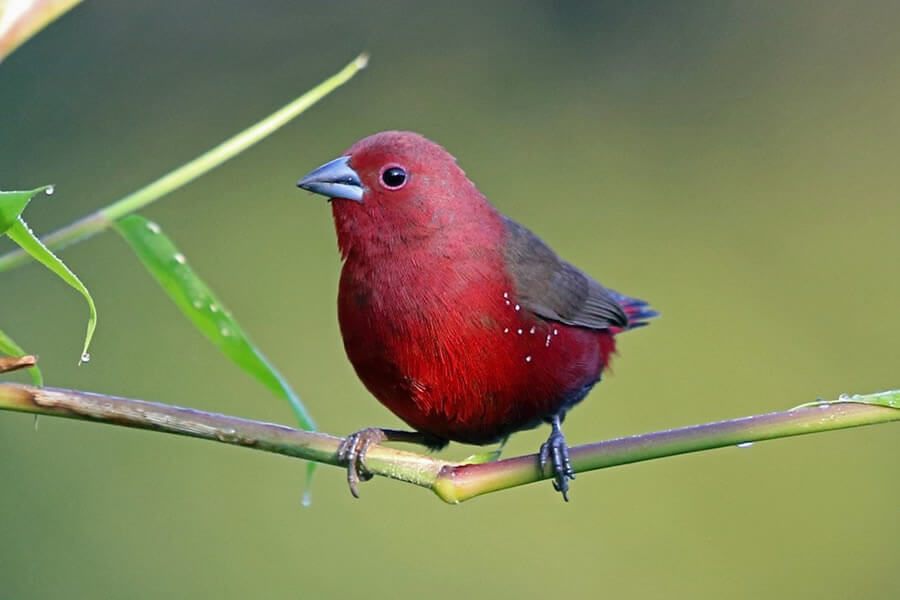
x: 638, y: 311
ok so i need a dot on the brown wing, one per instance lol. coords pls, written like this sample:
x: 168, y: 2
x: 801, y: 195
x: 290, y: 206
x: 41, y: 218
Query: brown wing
x: 552, y: 288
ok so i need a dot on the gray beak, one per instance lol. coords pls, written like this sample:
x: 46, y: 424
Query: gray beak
x: 334, y: 179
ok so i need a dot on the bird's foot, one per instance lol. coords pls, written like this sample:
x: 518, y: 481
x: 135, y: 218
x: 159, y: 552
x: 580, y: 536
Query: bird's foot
x: 556, y: 451
x: 353, y: 451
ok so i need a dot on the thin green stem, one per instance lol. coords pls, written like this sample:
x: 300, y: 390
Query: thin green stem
x: 105, y: 217
x: 452, y: 482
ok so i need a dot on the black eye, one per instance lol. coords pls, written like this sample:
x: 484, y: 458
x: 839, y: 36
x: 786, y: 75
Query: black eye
x: 394, y: 177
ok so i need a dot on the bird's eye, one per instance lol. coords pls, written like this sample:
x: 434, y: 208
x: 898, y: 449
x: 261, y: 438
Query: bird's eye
x: 394, y: 178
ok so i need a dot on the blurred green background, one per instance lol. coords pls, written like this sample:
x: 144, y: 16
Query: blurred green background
x: 734, y: 163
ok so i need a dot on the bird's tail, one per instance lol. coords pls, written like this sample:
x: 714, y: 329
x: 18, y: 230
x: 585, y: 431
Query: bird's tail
x: 638, y: 311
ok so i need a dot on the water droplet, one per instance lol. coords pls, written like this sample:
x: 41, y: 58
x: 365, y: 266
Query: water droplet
x: 213, y: 308
x: 198, y: 303
x: 179, y: 258
x: 226, y: 435
x: 744, y: 444
x: 225, y: 332
x: 528, y: 358
x: 50, y: 189
x: 153, y: 227
x: 306, y: 499
x: 86, y: 357
x: 844, y: 398
x: 37, y: 420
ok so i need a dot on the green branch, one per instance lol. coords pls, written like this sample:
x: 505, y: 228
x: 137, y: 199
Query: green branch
x: 452, y: 482
x: 105, y: 217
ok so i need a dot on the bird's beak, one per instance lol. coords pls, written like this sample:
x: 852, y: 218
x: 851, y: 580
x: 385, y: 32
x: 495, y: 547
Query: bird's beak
x: 334, y: 179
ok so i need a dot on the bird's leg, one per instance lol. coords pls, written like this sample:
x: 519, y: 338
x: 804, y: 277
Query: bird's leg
x: 556, y: 451
x: 500, y: 448
x: 353, y: 450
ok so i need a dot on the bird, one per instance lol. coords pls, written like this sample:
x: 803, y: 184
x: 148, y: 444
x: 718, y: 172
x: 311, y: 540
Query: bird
x: 459, y: 320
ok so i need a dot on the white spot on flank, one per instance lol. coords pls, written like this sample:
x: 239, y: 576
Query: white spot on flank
x: 528, y: 358
x: 506, y: 330
x: 547, y: 343
x: 520, y: 332
x: 179, y: 258
x: 508, y: 302
x: 555, y: 332
x: 506, y: 294
x: 517, y: 307
x: 531, y: 331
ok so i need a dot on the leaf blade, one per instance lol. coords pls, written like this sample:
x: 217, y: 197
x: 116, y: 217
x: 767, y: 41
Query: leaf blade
x: 19, y: 23
x: 12, y: 204
x: 198, y: 303
x: 20, y: 233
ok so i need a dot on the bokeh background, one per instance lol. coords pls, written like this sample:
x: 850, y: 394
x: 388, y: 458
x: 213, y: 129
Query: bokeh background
x: 735, y: 163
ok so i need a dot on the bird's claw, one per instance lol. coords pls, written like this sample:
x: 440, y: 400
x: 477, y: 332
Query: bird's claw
x: 353, y: 451
x: 556, y: 451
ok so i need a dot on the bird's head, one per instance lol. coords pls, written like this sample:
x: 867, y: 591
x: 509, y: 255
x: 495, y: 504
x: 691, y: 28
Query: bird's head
x: 394, y: 188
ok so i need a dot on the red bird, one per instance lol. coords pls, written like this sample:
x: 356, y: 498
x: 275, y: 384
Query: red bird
x: 461, y: 321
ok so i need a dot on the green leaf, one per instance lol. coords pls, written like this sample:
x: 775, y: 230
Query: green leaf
x: 22, y: 235
x: 890, y: 399
x: 9, y: 347
x: 170, y: 269
x: 13, y: 203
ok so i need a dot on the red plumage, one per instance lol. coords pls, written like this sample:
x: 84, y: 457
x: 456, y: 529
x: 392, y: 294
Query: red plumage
x: 460, y: 321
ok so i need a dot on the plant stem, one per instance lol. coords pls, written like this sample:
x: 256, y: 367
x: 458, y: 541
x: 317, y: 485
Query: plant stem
x: 105, y: 217
x: 452, y: 482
